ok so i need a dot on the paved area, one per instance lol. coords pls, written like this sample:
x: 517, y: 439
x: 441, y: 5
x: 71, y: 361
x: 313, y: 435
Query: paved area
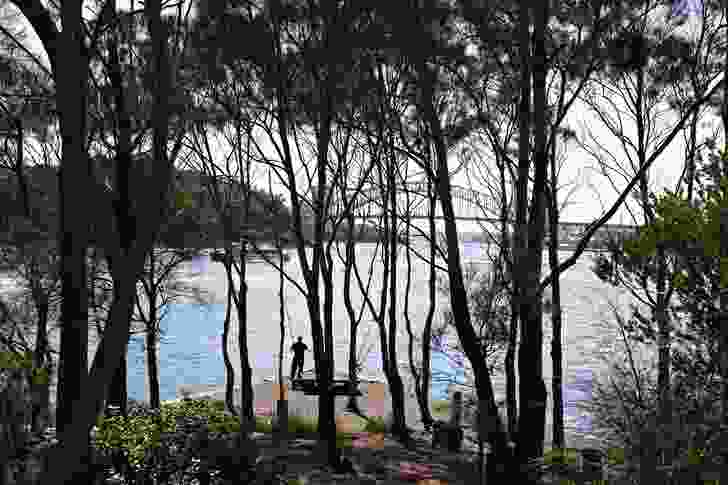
x: 372, y: 402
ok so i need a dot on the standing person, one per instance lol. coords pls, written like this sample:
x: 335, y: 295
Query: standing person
x: 298, y: 350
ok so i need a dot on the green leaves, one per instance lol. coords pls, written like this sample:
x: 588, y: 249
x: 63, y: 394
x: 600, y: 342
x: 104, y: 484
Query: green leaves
x: 139, y: 434
x: 685, y: 229
x: 680, y: 280
x: 14, y: 360
x: 183, y: 200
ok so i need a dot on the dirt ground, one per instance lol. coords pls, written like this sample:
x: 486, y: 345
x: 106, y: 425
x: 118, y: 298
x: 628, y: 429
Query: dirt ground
x: 381, y: 464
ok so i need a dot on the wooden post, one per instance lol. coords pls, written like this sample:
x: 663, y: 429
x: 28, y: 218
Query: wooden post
x: 280, y: 395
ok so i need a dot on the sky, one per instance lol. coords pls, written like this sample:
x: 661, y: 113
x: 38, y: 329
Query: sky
x: 589, y: 192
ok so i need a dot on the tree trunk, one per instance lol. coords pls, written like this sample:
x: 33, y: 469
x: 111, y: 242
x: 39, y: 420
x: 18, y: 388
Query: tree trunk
x: 282, y: 410
x: 41, y: 390
x: 247, y: 418
x: 664, y: 357
x: 328, y: 397
x: 396, y: 387
x: 70, y: 461
x: 349, y: 262
x: 532, y: 405
x: 723, y: 322
x: 520, y: 236
x: 71, y: 100
x: 498, y: 466
x: 117, y: 388
x: 427, y: 330
x: 229, y: 369
x: 152, y: 359
x: 556, y: 351
x: 422, y: 399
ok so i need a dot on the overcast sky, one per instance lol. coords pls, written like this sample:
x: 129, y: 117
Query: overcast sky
x: 589, y: 192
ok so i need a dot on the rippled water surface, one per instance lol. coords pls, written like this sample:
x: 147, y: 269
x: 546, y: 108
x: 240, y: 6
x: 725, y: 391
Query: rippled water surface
x: 190, y: 348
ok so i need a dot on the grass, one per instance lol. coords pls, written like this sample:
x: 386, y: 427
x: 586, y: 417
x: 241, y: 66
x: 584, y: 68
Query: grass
x: 440, y: 407
x: 309, y: 425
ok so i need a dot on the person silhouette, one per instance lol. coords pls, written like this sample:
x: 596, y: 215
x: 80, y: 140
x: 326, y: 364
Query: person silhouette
x: 298, y: 350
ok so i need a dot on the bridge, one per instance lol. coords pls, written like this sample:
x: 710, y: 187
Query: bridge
x: 468, y: 205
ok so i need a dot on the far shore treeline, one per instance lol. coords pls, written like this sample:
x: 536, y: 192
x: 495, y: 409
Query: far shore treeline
x: 197, y: 226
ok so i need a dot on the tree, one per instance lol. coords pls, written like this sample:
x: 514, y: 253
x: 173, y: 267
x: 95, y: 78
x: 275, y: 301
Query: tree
x: 76, y: 422
x: 692, y: 233
x: 639, y: 88
x: 309, y: 99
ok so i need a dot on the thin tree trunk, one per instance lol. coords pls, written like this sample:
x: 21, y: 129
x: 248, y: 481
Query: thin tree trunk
x: 661, y: 316
x: 229, y: 369
x: 723, y: 295
x: 41, y: 390
x: 246, y: 375
x: 322, y: 265
x: 282, y: 411
x: 151, y: 345
x: 432, y: 290
x: 422, y: 401
x: 556, y: 351
x: 328, y: 396
x: 723, y: 319
x: 458, y: 294
x: 123, y: 210
x: 396, y: 386
x: 520, y: 237
x: 350, y: 261
x: 247, y: 416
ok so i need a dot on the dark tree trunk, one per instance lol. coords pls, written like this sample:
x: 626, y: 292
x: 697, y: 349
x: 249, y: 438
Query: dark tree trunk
x: 498, y: 466
x: 282, y: 410
x: 427, y: 418
x: 41, y: 390
x: 328, y: 398
x: 246, y: 374
x: 531, y: 426
x: 396, y: 385
x: 229, y: 369
x: 723, y: 319
x: 74, y: 174
x: 151, y: 347
x: 520, y: 236
x: 417, y: 375
x: 117, y: 388
x: 556, y: 351
x: 349, y: 262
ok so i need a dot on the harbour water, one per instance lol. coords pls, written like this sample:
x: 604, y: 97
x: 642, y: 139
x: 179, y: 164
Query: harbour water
x: 190, y: 349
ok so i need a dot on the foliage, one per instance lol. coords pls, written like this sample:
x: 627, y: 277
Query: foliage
x: 15, y: 360
x: 686, y: 229
x: 375, y: 424
x: 624, y: 409
x: 144, y: 429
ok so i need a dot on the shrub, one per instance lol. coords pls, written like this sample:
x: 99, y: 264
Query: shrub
x: 302, y: 424
x: 376, y: 424
x: 175, y: 440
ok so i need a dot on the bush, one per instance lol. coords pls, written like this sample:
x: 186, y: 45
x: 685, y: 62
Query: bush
x: 302, y: 424
x: 376, y: 424
x: 625, y: 407
x: 175, y: 441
